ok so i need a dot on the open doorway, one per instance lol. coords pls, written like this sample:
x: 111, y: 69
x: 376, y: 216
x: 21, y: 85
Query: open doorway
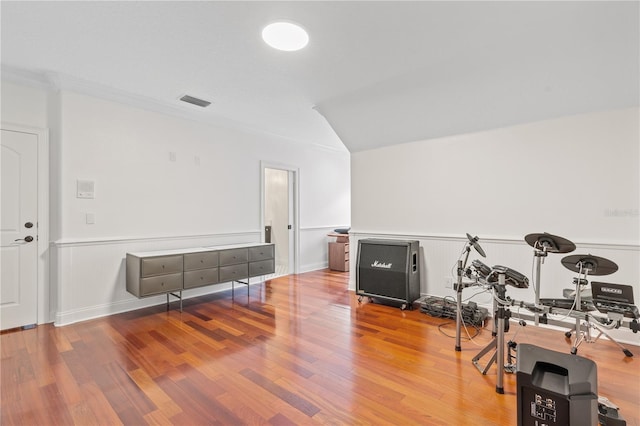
x: 279, y: 215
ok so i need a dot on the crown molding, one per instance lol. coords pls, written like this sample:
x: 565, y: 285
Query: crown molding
x: 62, y: 82
x: 39, y: 80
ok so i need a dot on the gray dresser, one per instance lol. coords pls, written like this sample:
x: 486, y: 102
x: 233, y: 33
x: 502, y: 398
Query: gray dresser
x: 172, y: 271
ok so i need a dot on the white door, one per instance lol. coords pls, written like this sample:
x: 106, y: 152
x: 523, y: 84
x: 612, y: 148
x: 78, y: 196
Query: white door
x: 292, y: 218
x: 276, y: 215
x: 19, y: 228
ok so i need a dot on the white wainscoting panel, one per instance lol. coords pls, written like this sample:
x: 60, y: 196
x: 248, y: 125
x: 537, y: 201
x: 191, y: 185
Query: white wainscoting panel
x: 89, y: 276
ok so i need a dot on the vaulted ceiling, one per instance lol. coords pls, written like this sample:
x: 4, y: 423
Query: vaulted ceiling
x: 374, y: 73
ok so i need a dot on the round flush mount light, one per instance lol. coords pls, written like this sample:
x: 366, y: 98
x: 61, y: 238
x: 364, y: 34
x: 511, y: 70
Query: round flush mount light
x: 285, y: 36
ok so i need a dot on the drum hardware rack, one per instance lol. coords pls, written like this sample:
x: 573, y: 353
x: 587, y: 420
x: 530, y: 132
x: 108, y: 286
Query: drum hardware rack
x: 497, y: 343
x: 502, y: 315
x: 543, y: 244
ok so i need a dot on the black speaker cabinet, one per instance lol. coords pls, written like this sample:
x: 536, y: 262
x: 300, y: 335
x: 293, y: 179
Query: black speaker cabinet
x: 389, y: 271
x: 555, y: 388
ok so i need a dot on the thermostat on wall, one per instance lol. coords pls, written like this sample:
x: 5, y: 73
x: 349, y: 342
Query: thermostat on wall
x: 85, y: 189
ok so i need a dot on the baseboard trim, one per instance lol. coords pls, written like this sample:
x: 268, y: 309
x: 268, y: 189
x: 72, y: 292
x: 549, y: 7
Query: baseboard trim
x: 99, y: 311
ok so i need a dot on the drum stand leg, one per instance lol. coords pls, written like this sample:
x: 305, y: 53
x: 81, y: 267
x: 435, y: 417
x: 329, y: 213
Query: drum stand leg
x: 579, y: 334
x: 502, y: 315
x: 538, y: 255
x: 459, y: 305
x: 600, y: 329
x: 459, y: 288
x: 626, y: 351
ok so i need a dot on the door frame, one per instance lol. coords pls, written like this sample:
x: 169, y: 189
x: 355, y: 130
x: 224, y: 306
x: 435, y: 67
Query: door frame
x: 295, y: 199
x: 43, y: 291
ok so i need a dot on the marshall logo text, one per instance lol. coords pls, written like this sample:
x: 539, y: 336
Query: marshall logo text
x: 377, y: 264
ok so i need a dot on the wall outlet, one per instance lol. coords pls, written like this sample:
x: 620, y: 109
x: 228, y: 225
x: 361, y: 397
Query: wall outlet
x: 448, y: 282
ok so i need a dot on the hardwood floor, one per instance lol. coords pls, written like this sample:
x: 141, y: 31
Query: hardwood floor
x: 296, y: 350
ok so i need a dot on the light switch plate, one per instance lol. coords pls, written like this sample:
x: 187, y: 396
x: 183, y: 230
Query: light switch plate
x: 85, y: 188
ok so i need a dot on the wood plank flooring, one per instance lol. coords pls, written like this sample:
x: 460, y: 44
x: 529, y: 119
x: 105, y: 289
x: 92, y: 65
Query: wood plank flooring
x: 296, y: 350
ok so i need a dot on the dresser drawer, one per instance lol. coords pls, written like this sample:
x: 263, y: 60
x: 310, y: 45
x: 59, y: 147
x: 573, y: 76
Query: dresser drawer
x: 160, y: 284
x: 161, y: 265
x: 263, y: 267
x: 200, y: 277
x: 234, y: 272
x: 233, y: 257
x: 207, y: 259
x: 260, y: 253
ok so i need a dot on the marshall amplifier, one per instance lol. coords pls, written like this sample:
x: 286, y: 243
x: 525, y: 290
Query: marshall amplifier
x: 388, y: 271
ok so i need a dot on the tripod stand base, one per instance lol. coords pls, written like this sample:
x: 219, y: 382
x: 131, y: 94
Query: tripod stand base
x: 492, y: 345
x: 585, y: 336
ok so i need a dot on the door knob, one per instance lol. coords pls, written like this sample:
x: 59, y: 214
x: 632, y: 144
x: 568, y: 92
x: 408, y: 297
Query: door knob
x: 28, y: 225
x: 28, y: 239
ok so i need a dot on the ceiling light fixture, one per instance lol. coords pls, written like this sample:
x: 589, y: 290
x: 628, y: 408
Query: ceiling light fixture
x: 285, y: 36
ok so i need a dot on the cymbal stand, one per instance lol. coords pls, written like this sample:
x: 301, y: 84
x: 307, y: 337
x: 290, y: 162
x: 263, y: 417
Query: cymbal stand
x: 580, y: 336
x: 472, y: 241
x: 502, y: 316
x: 539, y: 255
x: 459, y: 287
x: 585, y: 336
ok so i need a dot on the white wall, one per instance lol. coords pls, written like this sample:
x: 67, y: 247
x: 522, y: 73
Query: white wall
x: 576, y: 177
x: 144, y: 201
x: 126, y: 151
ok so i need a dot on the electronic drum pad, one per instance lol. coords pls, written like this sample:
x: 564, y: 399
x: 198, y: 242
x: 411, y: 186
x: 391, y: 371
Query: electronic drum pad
x: 481, y: 269
x: 511, y: 277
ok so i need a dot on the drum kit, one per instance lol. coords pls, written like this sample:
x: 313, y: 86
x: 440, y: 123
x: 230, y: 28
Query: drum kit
x: 498, y: 277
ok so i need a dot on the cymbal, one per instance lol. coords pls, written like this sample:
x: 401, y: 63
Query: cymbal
x: 550, y: 243
x: 594, y: 265
x: 474, y: 242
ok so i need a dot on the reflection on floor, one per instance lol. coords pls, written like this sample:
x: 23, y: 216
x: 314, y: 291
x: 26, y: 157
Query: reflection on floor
x: 281, y: 270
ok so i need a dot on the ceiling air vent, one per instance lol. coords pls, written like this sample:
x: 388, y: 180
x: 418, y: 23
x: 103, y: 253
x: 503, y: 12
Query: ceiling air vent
x: 195, y: 101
